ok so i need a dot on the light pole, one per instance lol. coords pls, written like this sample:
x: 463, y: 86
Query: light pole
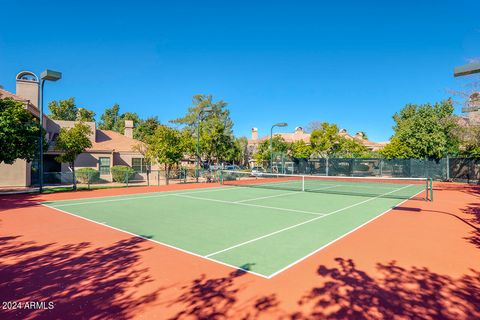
x: 199, y: 119
x: 47, y: 75
x: 280, y: 124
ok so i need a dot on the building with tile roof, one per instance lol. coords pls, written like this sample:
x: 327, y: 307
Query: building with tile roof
x: 108, y: 149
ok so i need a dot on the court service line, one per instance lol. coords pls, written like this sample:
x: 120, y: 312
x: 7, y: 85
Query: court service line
x: 142, y: 197
x: 300, y: 224
x: 341, y: 237
x: 157, y: 242
x: 283, y: 194
x: 249, y: 204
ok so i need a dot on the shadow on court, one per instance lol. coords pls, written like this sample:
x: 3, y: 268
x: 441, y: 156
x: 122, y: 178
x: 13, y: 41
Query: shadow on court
x: 342, y: 292
x: 346, y: 292
x: 82, y: 282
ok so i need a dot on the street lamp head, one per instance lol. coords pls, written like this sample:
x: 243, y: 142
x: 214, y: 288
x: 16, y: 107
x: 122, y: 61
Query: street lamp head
x: 281, y: 124
x: 51, y: 75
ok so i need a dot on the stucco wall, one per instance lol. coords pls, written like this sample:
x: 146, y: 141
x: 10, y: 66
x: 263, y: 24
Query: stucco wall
x: 15, y: 175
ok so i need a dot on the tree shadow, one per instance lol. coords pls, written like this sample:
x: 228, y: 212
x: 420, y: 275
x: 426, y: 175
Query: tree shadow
x: 346, y: 292
x: 214, y: 298
x: 15, y: 201
x: 473, y: 210
x: 82, y: 282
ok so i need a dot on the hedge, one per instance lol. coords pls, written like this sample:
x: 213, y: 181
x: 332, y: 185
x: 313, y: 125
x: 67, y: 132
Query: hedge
x: 83, y: 175
x: 122, y: 173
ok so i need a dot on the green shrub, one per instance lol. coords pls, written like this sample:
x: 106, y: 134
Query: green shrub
x: 85, y: 174
x: 120, y: 173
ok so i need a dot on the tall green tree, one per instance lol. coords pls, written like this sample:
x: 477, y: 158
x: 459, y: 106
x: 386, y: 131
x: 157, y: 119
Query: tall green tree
x: 63, y: 110
x: 351, y: 148
x: 301, y: 150
x: 120, y: 125
x: 424, y: 131
x: 470, y: 141
x: 85, y: 115
x: 19, y: 132
x: 72, y: 142
x: 166, y: 147
x: 68, y: 110
x: 110, y: 117
x: 216, y: 127
x: 325, y: 140
x: 146, y: 128
x: 262, y: 154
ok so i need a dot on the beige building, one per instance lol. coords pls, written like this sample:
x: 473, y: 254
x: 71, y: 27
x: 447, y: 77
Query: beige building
x: 299, y: 134
x: 108, y: 149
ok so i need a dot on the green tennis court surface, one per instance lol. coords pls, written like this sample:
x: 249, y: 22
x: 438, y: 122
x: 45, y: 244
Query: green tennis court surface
x: 263, y: 230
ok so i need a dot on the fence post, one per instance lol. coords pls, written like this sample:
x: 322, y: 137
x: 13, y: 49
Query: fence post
x: 326, y: 166
x: 158, y: 178
x: 381, y: 167
x: 448, y: 167
x: 126, y: 177
x: 88, y: 180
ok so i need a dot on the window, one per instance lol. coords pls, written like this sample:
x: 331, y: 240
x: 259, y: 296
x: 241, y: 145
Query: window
x: 139, y: 165
x: 104, y: 165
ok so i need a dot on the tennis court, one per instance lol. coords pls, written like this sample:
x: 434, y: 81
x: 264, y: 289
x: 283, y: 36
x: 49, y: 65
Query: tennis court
x: 263, y: 224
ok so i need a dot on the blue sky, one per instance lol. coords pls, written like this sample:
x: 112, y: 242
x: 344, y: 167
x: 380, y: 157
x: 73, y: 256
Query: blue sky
x: 352, y: 63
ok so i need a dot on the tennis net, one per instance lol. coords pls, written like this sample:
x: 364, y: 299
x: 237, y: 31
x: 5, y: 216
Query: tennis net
x: 378, y: 187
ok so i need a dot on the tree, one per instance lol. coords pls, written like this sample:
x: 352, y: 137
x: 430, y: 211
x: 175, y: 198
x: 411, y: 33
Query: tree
x: 120, y: 125
x: 216, y: 134
x: 351, y: 148
x: 19, y: 132
x: 240, y: 152
x: 279, y: 145
x: 84, y: 115
x: 424, y: 131
x: 110, y: 118
x: 67, y: 110
x: 63, y: 110
x: 146, y: 128
x: 325, y: 140
x: 471, y: 141
x: 166, y: 147
x: 300, y: 150
x: 72, y: 142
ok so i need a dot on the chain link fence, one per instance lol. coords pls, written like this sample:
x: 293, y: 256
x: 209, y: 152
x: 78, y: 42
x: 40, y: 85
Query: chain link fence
x: 89, y: 178
x: 447, y: 169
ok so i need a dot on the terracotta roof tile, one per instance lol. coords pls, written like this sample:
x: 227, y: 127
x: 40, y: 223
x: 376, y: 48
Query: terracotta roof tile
x: 111, y: 140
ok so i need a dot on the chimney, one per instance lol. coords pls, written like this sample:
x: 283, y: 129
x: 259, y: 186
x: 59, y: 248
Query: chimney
x: 128, y: 132
x: 27, y: 87
x: 298, y: 130
x: 254, y: 134
x: 359, y: 134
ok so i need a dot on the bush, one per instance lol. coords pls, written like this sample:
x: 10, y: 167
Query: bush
x: 122, y: 173
x: 83, y: 175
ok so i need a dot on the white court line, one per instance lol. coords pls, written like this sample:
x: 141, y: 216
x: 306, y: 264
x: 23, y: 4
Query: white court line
x: 159, y: 242
x: 300, y: 224
x: 339, y: 238
x: 283, y: 194
x: 248, y: 204
x: 143, y: 197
